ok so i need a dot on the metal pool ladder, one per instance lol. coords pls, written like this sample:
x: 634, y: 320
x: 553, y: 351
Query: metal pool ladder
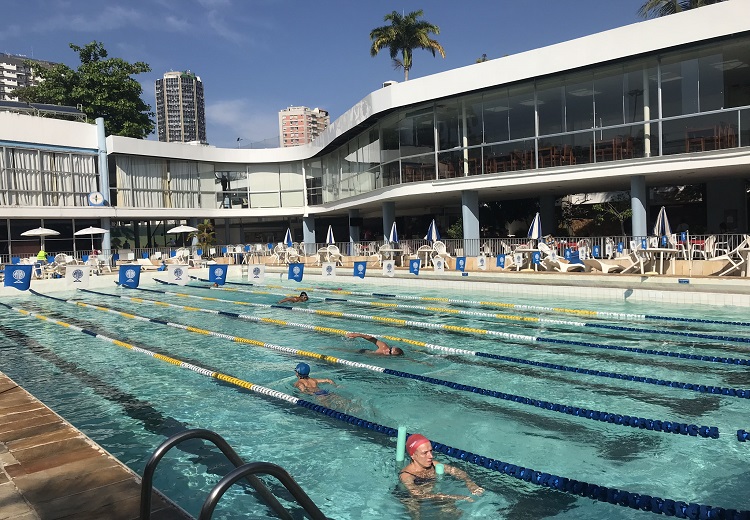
x: 244, y: 470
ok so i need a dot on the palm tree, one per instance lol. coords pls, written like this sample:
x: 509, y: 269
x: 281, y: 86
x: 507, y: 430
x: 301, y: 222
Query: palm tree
x: 205, y: 234
x: 658, y: 8
x: 405, y: 34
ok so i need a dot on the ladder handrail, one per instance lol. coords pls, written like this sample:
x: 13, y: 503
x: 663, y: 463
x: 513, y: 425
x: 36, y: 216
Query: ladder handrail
x: 147, y: 483
x: 266, y: 468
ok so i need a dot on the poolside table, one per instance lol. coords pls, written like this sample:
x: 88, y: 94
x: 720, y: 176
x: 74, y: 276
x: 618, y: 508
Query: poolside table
x: 660, y: 252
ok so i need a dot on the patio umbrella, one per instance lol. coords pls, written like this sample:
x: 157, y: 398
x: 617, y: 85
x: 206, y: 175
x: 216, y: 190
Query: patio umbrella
x: 432, y: 232
x: 41, y: 233
x: 182, y: 229
x: 90, y: 231
x: 535, y: 230
x: 329, y: 236
x: 662, y: 228
x: 393, y: 237
x: 288, y: 238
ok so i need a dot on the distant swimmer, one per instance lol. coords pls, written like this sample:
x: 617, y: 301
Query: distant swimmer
x: 308, y: 384
x: 383, y: 348
x: 295, y: 299
x: 420, y: 475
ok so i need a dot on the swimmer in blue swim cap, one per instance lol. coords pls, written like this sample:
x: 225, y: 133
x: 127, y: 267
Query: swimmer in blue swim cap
x: 308, y: 384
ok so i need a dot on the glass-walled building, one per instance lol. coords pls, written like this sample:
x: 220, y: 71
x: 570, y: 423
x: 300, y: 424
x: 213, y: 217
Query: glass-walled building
x: 661, y: 103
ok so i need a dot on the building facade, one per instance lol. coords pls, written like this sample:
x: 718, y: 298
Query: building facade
x: 641, y: 108
x: 301, y: 125
x: 14, y: 74
x: 180, y: 108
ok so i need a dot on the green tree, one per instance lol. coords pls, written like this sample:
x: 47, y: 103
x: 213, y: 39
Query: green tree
x: 403, y: 35
x: 104, y: 87
x: 205, y: 234
x: 616, y: 209
x: 658, y: 8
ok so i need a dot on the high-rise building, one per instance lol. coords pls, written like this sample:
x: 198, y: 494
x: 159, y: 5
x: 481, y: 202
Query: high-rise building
x: 14, y: 73
x: 180, y: 109
x: 300, y: 125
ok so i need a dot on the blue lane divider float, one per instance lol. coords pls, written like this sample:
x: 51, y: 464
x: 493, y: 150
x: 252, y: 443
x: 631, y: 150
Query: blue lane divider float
x: 566, y: 485
x: 694, y: 387
x: 518, y: 338
x: 534, y: 319
x: 584, y: 413
x: 584, y: 312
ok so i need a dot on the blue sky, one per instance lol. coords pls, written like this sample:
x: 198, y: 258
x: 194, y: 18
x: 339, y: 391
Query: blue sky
x: 256, y: 57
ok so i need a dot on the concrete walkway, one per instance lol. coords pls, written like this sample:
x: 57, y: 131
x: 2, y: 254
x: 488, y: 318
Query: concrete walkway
x: 50, y: 470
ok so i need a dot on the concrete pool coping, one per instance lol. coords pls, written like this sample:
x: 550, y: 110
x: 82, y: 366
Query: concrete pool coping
x: 49, y: 469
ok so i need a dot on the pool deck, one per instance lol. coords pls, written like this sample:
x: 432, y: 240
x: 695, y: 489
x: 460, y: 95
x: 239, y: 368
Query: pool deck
x: 50, y: 470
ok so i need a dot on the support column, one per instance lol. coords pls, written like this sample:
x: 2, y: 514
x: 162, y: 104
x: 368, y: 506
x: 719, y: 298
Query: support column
x: 547, y: 214
x: 308, y: 235
x: 389, y: 216
x: 470, y: 216
x: 638, y: 203
x: 101, y: 142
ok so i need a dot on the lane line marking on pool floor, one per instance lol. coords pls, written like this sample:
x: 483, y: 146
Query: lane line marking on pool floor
x: 578, y: 488
x: 709, y: 389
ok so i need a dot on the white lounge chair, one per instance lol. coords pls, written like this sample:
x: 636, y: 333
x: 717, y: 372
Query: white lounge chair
x: 736, y: 258
x: 604, y: 267
x: 147, y: 265
x: 552, y: 262
x: 440, y: 251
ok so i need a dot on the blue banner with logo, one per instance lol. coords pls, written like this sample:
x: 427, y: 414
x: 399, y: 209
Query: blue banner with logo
x: 567, y: 254
x: 620, y: 247
x: 130, y: 275
x: 360, y: 268
x: 296, y: 271
x: 460, y: 263
x: 536, y: 257
x: 500, y: 261
x: 18, y: 276
x: 414, y: 266
x: 597, y: 251
x: 644, y: 243
x: 217, y: 273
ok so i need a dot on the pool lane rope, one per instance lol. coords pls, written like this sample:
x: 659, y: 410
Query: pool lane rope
x: 596, y: 415
x: 567, y: 485
x: 580, y: 312
x: 708, y: 389
x: 547, y: 321
x: 518, y: 338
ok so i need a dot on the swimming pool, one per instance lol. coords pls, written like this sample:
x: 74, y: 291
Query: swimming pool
x: 129, y: 402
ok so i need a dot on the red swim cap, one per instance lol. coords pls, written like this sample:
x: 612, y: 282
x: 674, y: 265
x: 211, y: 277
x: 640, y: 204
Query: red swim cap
x: 414, y: 442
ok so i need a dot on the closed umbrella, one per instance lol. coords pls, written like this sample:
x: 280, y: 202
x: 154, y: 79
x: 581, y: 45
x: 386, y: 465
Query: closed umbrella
x: 90, y: 231
x: 662, y: 227
x: 535, y: 230
x: 393, y: 237
x: 432, y: 232
x: 41, y: 233
x: 329, y: 236
x: 288, y: 238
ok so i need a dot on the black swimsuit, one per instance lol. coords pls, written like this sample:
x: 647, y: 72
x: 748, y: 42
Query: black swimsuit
x: 418, y: 481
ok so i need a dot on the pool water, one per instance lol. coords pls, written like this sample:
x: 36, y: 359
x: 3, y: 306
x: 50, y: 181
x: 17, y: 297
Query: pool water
x: 130, y: 402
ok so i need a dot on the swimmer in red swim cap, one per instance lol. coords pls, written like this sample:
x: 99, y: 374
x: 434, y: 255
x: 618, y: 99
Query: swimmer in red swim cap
x: 419, y: 475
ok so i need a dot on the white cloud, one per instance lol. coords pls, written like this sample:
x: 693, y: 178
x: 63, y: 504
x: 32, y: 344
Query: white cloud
x: 11, y: 32
x: 108, y: 19
x: 232, y: 118
x: 174, y: 24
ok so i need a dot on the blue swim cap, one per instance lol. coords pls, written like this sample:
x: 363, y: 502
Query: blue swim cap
x: 302, y: 369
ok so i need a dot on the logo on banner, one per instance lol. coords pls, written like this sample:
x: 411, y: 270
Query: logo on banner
x: 500, y: 261
x: 460, y: 263
x: 19, y: 276
x: 178, y: 272
x: 296, y: 271
x: 439, y: 265
x: 389, y: 268
x: 256, y: 272
x: 414, y: 266
x: 130, y: 274
x: 359, y: 269
x: 329, y: 270
x: 218, y: 272
x: 536, y: 257
x: 482, y: 262
x: 77, y: 275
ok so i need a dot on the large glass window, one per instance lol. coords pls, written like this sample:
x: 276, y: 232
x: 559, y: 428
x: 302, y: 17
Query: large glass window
x: 521, y: 111
x: 472, y: 109
x: 495, y: 109
x: 608, y: 96
x: 579, y: 101
x: 416, y: 132
x: 448, y: 119
x: 550, y: 106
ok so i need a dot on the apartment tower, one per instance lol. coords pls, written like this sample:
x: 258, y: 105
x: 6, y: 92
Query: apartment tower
x: 300, y: 125
x: 180, y: 109
x: 15, y: 74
